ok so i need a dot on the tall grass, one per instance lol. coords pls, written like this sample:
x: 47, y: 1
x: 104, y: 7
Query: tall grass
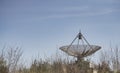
x: 9, y: 63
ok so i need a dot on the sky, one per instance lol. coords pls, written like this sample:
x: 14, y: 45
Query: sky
x: 40, y: 27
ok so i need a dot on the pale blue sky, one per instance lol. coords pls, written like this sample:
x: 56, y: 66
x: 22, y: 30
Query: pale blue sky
x: 42, y: 26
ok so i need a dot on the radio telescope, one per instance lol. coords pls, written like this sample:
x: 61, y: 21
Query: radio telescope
x: 80, y: 50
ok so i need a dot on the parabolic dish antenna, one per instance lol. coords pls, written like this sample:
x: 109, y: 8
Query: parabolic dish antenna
x: 80, y: 50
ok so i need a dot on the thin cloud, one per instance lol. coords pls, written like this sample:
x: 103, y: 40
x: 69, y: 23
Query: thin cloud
x: 80, y: 13
x: 72, y: 8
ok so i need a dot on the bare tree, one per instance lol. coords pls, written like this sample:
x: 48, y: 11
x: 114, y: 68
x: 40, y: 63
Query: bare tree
x: 112, y: 58
x: 115, y: 59
x: 13, y: 57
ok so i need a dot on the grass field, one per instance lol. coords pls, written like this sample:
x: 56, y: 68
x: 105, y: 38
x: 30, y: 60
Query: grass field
x: 10, y: 63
